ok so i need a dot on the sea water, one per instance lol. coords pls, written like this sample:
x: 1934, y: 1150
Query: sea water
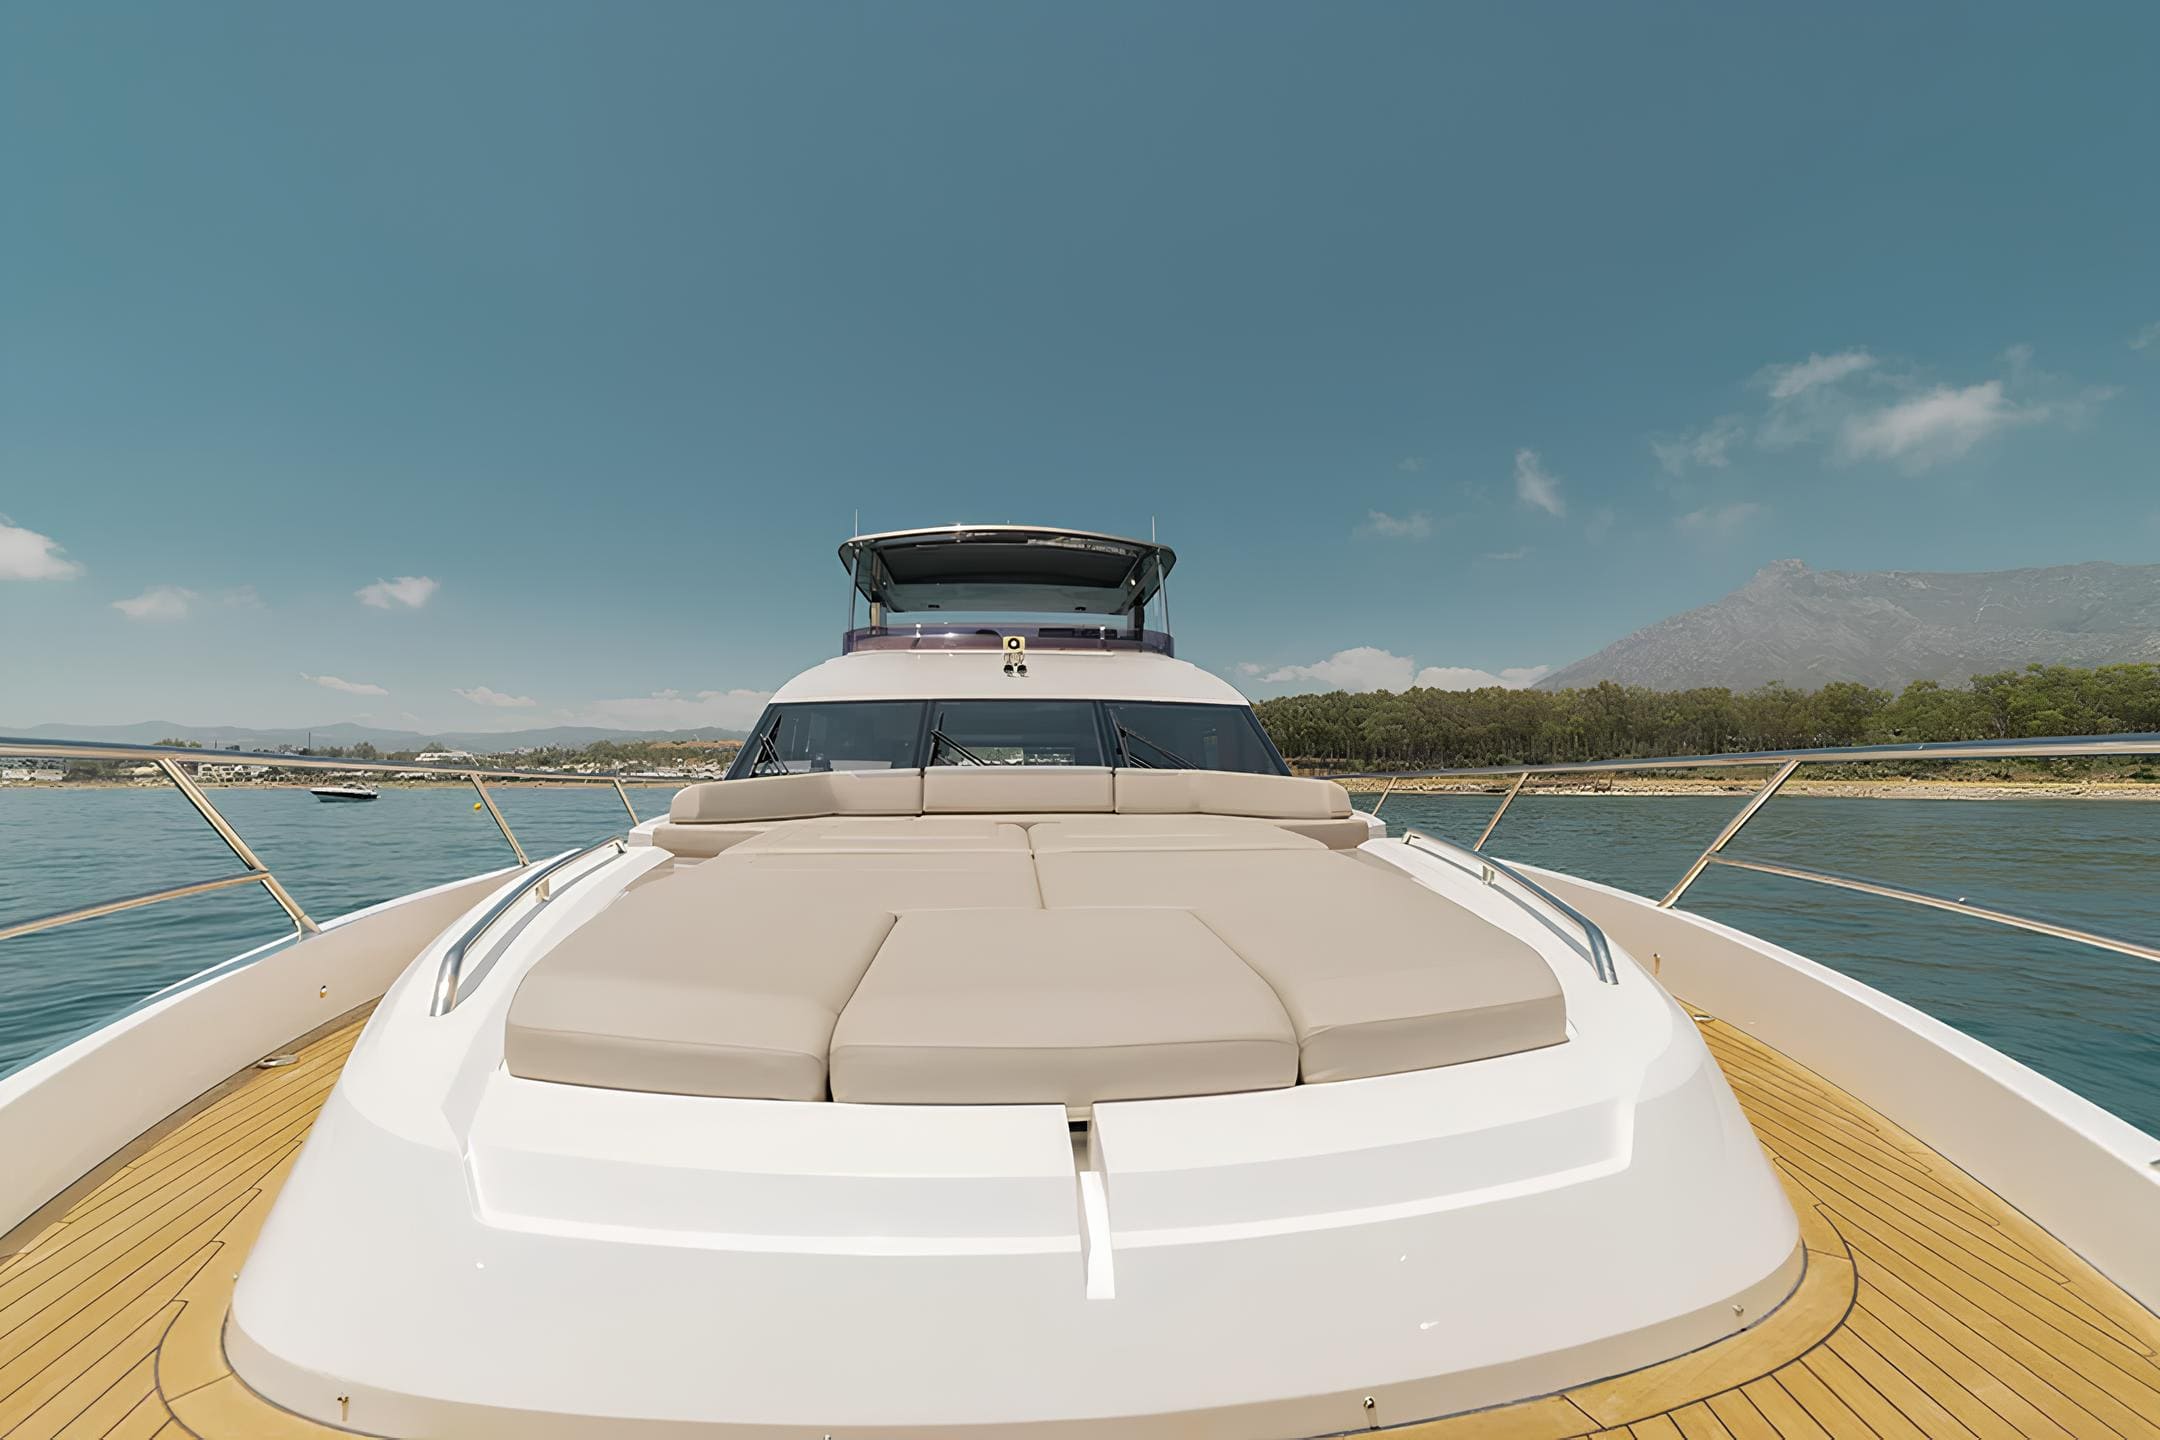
x: 2087, y: 1018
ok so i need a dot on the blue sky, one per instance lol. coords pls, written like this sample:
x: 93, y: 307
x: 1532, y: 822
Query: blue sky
x: 483, y: 366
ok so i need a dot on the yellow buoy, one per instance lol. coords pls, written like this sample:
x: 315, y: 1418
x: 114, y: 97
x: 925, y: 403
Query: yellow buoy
x: 476, y: 804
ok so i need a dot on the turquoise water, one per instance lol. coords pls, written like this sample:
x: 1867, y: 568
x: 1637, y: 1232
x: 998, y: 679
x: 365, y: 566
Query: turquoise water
x: 2087, y: 1018
x: 61, y: 848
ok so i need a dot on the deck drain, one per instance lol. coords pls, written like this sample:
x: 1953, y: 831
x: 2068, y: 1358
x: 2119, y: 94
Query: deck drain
x: 275, y: 1062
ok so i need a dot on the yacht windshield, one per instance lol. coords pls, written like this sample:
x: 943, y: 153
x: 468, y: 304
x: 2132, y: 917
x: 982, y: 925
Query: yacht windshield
x: 908, y: 734
x: 853, y: 735
x: 1192, y: 737
x: 1017, y: 732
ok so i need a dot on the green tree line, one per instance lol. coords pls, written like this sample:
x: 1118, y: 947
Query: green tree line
x: 1433, y: 729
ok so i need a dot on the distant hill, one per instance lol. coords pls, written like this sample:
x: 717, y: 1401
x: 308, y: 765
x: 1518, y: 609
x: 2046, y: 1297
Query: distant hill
x: 1807, y: 628
x: 347, y: 734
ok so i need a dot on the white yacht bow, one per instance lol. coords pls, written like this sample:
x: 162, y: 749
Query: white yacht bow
x: 1011, y: 1045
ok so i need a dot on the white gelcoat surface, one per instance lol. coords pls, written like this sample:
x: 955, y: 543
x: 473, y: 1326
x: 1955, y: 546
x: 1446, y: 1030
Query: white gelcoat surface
x: 980, y: 675
x: 1255, y: 1264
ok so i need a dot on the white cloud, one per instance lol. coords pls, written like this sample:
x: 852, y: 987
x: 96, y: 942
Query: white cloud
x: 1708, y: 448
x: 1934, y: 426
x: 1462, y: 677
x: 1411, y: 464
x: 1600, y: 524
x: 1534, y: 485
x: 1898, y: 415
x: 344, y: 687
x: 481, y: 695
x: 1719, y: 521
x: 1516, y: 554
x: 2146, y: 338
x: 27, y: 555
x: 159, y: 602
x: 177, y: 602
x: 1787, y: 381
x: 411, y: 591
x: 1393, y: 527
x: 673, y: 710
x: 1367, y: 667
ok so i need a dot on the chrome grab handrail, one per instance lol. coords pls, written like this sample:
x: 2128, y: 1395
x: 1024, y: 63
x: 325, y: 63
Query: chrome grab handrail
x: 1786, y: 763
x: 453, y: 961
x: 1600, y: 950
x: 170, y: 758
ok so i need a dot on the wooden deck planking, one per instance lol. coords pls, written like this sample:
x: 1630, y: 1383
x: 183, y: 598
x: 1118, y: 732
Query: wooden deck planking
x: 1930, y: 1308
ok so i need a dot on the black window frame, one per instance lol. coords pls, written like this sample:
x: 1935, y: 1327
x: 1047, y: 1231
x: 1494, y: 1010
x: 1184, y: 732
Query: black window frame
x: 745, y: 764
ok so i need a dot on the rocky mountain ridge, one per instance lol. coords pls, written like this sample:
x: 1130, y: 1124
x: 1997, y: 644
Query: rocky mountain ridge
x: 1808, y: 628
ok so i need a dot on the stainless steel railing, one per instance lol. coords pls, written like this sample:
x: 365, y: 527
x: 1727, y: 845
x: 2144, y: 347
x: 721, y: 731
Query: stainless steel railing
x: 1596, y: 948
x: 173, y: 760
x: 1783, y: 764
x: 452, y: 970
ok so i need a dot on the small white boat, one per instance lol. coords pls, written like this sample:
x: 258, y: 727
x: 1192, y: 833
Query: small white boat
x: 343, y: 792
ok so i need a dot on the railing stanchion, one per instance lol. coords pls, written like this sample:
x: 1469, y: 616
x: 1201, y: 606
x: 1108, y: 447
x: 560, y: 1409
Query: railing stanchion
x: 1747, y: 812
x: 500, y: 823
x: 240, y: 847
x: 1389, y: 790
x: 624, y: 796
x: 1505, y: 801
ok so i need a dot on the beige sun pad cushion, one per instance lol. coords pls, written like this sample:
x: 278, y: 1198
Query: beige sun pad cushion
x: 896, y: 835
x: 1162, y: 832
x: 660, y: 993
x: 1378, y: 974
x: 700, y: 842
x: 1067, y: 1007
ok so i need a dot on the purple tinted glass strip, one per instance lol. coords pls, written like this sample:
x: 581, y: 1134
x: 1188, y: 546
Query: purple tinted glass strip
x: 992, y: 637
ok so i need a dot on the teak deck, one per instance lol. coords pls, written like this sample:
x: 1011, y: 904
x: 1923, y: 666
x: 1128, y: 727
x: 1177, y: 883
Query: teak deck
x: 1930, y: 1308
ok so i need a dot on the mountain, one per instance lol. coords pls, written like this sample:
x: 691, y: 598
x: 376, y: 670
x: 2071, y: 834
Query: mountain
x: 345, y: 733
x: 1888, y: 628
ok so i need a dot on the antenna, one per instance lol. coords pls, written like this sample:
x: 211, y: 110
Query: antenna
x: 1162, y: 581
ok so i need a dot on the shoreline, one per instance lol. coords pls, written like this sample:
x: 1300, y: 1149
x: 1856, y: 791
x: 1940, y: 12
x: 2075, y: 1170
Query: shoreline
x: 601, y: 782
x: 1888, y: 788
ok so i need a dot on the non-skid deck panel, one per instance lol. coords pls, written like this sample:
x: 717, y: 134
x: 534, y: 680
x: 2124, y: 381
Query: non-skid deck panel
x: 111, y: 1316
x: 1930, y: 1308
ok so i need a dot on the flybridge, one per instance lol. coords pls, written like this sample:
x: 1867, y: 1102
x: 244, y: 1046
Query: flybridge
x: 1004, y: 569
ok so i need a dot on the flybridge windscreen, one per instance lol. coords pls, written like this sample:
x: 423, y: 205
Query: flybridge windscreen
x: 1017, y: 571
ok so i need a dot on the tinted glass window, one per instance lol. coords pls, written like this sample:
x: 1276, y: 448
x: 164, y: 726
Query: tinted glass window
x: 1192, y: 737
x: 842, y: 735
x: 1015, y: 732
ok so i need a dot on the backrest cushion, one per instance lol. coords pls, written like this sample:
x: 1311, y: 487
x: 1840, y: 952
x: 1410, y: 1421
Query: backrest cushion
x: 1228, y: 792
x: 799, y: 797
x: 1016, y: 789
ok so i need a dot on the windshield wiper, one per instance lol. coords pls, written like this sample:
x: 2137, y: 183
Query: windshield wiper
x: 768, y: 753
x: 939, y: 740
x: 1125, y: 733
